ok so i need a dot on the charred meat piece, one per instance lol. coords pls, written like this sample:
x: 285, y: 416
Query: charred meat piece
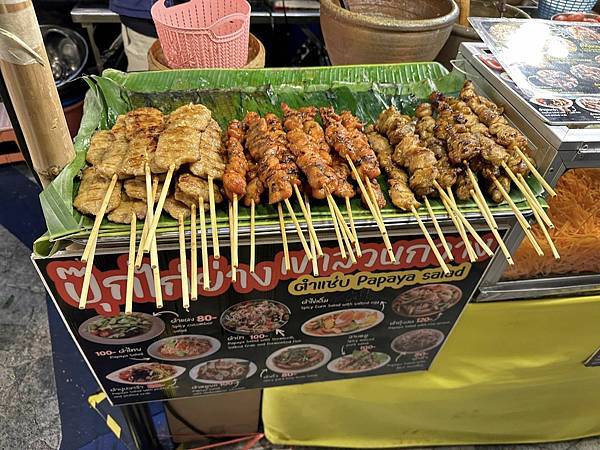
x: 343, y: 187
x: 142, y: 128
x: 92, y: 190
x: 177, y: 145
x: 494, y: 192
x: 212, y: 158
x: 267, y: 144
x: 308, y: 152
x: 350, y: 143
x: 110, y: 162
x: 421, y: 181
x: 464, y: 186
x: 193, y: 116
x: 196, y: 187
x: 176, y: 209
x: 377, y: 192
x: 401, y: 195
x: 127, y: 206
x: 447, y: 174
x: 101, y: 142
x: 234, y: 177
x: 136, y: 188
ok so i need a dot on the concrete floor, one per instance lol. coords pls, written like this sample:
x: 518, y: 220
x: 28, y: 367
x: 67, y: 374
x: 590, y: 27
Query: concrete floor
x: 27, y: 387
x: 29, y: 407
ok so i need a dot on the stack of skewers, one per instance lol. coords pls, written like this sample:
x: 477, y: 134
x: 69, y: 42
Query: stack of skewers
x: 149, y: 162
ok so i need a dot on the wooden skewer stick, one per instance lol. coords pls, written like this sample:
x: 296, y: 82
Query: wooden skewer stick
x: 353, y: 228
x: 193, y: 255
x: 374, y: 213
x: 541, y: 210
x: 315, y: 262
x: 518, y: 214
x: 98, y: 220
x: 336, y: 228
x: 530, y: 198
x: 153, y: 250
x: 524, y: 224
x: 252, y: 238
x: 535, y: 173
x: 286, y: 251
x: 434, y: 248
x: 309, y: 222
x: 231, y: 244
x: 130, y: 266
x: 461, y: 217
x: 438, y: 229
x: 461, y: 231
x: 185, y: 295
x: 159, y: 208
x: 495, y: 232
x: 486, y: 209
x: 156, y: 273
x: 234, y: 246
x: 344, y: 232
x: 373, y: 198
x: 546, y: 235
x: 213, y: 218
x: 342, y: 221
x: 204, y: 245
x: 87, y: 275
x: 151, y: 189
x: 298, y: 229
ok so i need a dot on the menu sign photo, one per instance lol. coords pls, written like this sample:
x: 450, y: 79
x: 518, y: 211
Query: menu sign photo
x: 556, y: 110
x: 270, y: 328
x: 557, y: 64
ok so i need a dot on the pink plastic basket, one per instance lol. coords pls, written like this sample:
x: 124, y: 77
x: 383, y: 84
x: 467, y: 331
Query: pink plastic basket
x: 203, y: 33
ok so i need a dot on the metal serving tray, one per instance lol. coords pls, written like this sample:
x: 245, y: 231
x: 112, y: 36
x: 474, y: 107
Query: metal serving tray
x: 557, y: 148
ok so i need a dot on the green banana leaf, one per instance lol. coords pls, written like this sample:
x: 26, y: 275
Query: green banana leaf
x: 365, y: 90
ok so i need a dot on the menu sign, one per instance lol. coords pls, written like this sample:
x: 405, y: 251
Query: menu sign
x: 269, y: 328
x: 548, y: 60
x: 558, y: 110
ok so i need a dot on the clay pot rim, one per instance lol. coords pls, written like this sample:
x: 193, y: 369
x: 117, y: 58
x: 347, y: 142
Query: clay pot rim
x: 393, y: 24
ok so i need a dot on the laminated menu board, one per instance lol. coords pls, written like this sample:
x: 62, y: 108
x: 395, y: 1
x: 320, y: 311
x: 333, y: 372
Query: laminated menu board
x: 548, y: 59
x: 270, y: 327
x: 555, y: 110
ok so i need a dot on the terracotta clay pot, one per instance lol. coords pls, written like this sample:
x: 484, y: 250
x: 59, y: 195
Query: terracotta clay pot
x: 386, y: 31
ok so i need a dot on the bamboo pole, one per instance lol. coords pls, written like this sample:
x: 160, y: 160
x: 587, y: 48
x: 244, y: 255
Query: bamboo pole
x: 30, y: 84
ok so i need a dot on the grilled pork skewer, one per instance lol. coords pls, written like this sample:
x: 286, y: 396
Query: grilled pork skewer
x: 234, y: 182
x: 352, y: 145
x: 277, y: 169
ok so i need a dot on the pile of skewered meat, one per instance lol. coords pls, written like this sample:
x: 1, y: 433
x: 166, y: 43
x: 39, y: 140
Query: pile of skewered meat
x: 447, y: 136
x: 188, y: 139
x: 284, y: 156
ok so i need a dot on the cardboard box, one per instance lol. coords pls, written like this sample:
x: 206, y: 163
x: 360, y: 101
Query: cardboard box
x: 233, y: 413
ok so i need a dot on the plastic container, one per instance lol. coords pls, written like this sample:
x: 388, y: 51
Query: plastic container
x: 203, y: 33
x: 548, y: 8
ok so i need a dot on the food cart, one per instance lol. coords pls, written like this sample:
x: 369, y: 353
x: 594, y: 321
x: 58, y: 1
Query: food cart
x: 372, y: 294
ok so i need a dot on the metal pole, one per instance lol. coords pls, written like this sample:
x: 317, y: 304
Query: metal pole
x: 141, y: 427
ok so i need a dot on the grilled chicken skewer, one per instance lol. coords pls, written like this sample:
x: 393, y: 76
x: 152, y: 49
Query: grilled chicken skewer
x: 347, y: 140
x: 277, y: 170
x: 401, y: 195
x: 234, y: 180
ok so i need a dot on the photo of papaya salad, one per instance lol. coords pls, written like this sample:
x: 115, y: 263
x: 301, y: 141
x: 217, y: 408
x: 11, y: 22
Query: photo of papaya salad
x: 122, y: 328
x: 183, y: 348
x: 339, y: 323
